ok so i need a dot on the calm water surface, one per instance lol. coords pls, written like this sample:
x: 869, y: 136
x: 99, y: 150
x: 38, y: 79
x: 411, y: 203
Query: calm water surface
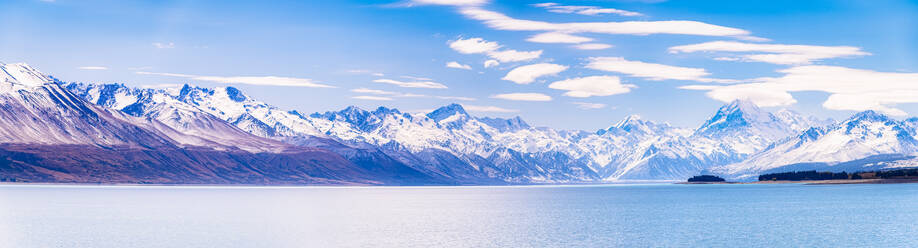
x: 560, y: 216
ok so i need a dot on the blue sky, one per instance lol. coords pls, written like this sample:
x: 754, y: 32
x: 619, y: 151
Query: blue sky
x: 673, y: 61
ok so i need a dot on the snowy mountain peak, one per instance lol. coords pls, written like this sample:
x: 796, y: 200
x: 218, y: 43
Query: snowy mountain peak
x: 868, y: 116
x: 23, y: 74
x: 447, y: 112
x: 628, y: 121
x: 504, y: 125
x: 735, y: 116
x: 636, y: 124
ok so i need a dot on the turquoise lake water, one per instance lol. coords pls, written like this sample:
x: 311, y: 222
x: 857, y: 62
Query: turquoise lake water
x: 665, y: 215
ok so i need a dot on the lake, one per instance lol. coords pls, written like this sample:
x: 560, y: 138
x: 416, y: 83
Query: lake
x: 627, y: 215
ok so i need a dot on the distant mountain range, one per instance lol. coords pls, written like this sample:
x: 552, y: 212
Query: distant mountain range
x: 109, y: 133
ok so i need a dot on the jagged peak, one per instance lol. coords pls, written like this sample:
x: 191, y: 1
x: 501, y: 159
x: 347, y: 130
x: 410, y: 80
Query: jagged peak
x: 189, y: 91
x: 630, y: 120
x: 382, y: 110
x: 868, y: 115
x: 23, y: 74
x: 741, y: 105
x: 512, y: 124
x: 447, y: 111
x: 738, y: 113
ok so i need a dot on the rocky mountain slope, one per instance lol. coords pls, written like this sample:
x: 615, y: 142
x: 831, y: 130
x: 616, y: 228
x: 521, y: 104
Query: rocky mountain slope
x: 449, y: 142
x: 49, y: 134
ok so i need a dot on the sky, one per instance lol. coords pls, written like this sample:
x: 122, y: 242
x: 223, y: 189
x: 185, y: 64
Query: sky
x: 562, y: 64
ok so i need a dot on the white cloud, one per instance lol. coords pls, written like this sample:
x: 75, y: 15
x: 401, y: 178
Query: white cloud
x: 773, y: 53
x: 761, y: 94
x: 417, y: 78
x: 95, y: 68
x: 491, y: 63
x: 727, y: 59
x: 528, y: 73
x: 476, y: 108
x: 450, y: 2
x: 391, y: 94
x: 592, y: 86
x: 163, y: 45
x: 584, y: 10
x: 500, y: 21
x: 490, y: 48
x: 372, y: 98
x: 416, y: 84
x: 555, y: 37
x: 536, y: 97
x: 649, y: 70
x: 593, y: 46
x: 589, y: 105
x: 266, y: 80
x: 457, y: 65
x: 510, y: 55
x: 849, y: 89
x: 473, y: 46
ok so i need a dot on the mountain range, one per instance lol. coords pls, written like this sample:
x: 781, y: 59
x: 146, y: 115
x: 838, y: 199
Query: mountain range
x: 110, y: 133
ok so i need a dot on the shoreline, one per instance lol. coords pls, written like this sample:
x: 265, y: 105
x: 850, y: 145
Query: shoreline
x: 819, y: 182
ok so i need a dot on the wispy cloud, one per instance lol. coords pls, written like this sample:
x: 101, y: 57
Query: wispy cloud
x: 528, y: 73
x: 265, y: 80
x: 415, y: 84
x: 849, y: 89
x: 535, y: 97
x: 161, y: 45
x: 473, y: 46
x: 589, y: 105
x: 405, y: 95
x: 649, y: 71
x: 593, y: 46
x: 772, y: 53
x: 94, y: 68
x: 445, y: 2
x: 491, y: 49
x: 592, y: 86
x: 457, y: 65
x: 500, y: 21
x: 417, y: 78
x: 584, y: 10
x: 511, y: 55
x: 476, y: 108
x: 554, y: 37
x: 491, y: 63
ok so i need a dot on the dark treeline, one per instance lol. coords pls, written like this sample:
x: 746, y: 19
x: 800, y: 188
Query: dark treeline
x: 706, y: 178
x: 814, y: 175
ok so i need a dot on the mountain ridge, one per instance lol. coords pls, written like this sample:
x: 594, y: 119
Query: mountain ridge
x: 449, y: 145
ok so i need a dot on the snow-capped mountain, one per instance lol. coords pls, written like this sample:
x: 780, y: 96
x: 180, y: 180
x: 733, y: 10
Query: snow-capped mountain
x: 447, y: 145
x: 864, y: 135
x: 37, y: 110
x: 451, y: 143
x: 734, y: 132
x: 49, y: 134
x: 447, y: 142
